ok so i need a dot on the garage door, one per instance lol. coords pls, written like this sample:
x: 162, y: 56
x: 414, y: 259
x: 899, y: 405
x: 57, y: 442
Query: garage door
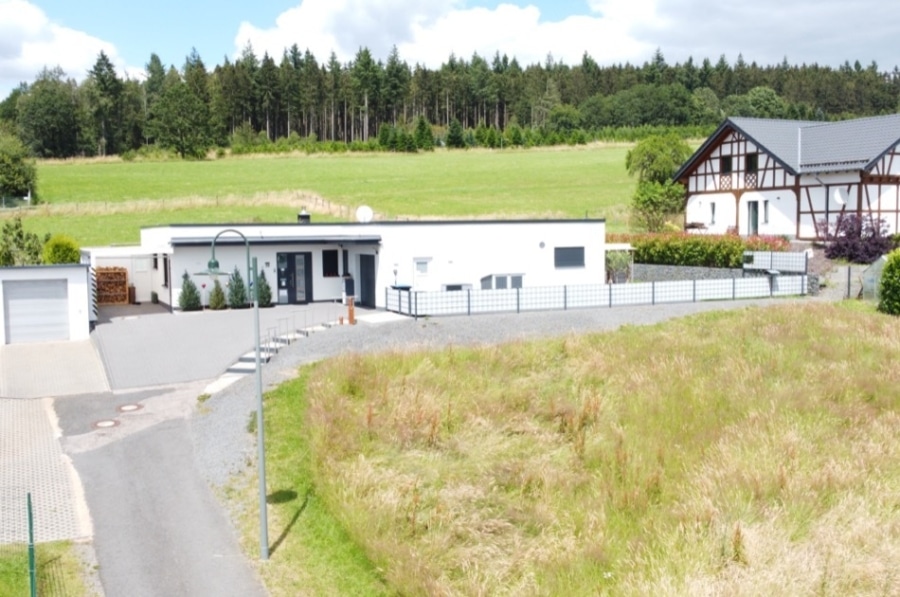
x: 36, y: 310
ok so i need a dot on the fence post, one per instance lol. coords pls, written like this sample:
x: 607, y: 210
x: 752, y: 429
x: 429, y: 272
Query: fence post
x: 565, y: 298
x: 32, y: 569
x: 733, y: 288
x: 417, y: 304
x: 518, y: 309
x: 469, y: 301
x: 653, y: 292
x: 695, y: 290
x: 610, y: 295
x: 848, y: 281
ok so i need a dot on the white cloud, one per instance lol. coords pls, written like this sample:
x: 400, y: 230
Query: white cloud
x: 427, y: 31
x: 611, y: 31
x: 29, y: 41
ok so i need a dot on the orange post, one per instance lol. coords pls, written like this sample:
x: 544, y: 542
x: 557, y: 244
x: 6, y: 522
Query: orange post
x: 351, y: 316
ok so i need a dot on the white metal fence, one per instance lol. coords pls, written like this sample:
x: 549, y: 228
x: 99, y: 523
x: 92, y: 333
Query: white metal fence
x: 469, y: 302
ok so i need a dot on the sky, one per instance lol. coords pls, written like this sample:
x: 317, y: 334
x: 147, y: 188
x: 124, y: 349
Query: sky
x: 70, y: 33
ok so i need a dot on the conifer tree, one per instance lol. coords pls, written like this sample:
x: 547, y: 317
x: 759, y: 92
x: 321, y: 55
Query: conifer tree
x: 189, y: 299
x: 217, y: 300
x: 265, y: 291
x: 237, y: 291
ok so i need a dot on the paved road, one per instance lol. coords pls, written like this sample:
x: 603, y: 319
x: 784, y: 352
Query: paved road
x: 158, y: 528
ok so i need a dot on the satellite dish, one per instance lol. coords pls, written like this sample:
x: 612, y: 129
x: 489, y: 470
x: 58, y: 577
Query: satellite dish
x: 364, y: 214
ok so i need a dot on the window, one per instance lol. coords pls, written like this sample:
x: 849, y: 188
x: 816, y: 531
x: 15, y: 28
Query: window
x: 568, y: 257
x: 330, y: 263
x: 165, y: 271
x: 766, y: 211
x: 712, y: 213
x: 725, y: 164
x: 422, y: 266
x: 501, y: 282
x: 752, y: 162
x: 155, y: 261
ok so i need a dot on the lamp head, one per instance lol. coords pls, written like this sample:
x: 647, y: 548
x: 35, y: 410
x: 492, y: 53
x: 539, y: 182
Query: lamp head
x: 213, y: 266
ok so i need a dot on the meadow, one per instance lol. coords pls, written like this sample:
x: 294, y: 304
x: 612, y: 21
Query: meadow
x: 732, y: 453
x: 100, y: 202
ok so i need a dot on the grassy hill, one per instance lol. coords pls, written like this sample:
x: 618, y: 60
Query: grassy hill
x: 738, y: 453
x: 101, y: 202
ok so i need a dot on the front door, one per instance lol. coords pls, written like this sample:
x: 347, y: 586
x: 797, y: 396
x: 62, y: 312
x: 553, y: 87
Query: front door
x: 753, y: 218
x: 367, y: 280
x: 294, y: 278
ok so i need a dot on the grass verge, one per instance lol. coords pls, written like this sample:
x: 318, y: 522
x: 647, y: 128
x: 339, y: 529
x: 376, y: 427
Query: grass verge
x: 310, y: 551
x: 738, y: 453
x: 59, y: 570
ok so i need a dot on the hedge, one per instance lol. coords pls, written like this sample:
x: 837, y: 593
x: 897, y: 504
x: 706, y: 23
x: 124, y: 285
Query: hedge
x: 699, y: 250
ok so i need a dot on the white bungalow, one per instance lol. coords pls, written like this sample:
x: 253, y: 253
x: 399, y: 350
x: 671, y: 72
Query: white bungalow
x: 307, y: 262
x: 785, y: 177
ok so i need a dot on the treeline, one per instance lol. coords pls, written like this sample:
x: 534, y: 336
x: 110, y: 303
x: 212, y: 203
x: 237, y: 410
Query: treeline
x: 294, y: 102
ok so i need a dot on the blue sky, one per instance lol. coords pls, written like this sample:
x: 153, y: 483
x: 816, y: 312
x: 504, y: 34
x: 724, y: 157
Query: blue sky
x: 70, y: 33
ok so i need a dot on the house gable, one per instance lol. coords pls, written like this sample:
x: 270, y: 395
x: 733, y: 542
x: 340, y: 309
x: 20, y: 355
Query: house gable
x: 734, y: 162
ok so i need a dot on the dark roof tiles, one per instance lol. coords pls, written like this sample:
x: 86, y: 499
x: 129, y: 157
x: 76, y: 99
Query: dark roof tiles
x: 809, y: 147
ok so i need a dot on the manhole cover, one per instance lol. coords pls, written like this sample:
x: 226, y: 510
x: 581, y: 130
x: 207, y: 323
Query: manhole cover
x: 129, y: 408
x: 106, y: 424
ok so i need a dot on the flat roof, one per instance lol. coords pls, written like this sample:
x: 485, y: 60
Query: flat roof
x: 468, y: 222
x: 196, y: 241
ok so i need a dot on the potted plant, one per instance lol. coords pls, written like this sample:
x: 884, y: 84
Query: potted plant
x: 618, y: 266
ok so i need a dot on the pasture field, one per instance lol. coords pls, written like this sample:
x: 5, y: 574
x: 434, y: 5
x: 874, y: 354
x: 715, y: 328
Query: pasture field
x: 107, y: 201
x: 730, y: 453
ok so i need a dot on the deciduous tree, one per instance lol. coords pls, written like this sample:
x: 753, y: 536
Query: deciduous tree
x: 18, y: 175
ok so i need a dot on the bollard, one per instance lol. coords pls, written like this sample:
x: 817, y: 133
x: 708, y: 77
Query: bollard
x: 351, y: 315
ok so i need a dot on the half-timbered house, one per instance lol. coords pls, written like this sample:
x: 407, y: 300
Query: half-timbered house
x: 793, y: 178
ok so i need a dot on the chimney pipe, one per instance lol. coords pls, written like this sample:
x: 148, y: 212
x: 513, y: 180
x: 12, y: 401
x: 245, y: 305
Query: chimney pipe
x: 303, y: 217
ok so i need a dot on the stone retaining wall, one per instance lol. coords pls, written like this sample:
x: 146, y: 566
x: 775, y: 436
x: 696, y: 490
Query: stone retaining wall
x: 644, y: 272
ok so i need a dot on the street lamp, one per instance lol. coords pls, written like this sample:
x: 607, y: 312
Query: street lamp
x: 213, y: 267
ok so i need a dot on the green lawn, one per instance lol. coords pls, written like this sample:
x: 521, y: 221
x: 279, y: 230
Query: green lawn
x: 100, y: 202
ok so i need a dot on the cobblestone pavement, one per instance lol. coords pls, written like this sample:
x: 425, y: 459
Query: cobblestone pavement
x: 31, y: 460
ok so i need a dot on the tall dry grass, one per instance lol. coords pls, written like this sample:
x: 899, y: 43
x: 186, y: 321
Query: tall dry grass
x: 742, y: 453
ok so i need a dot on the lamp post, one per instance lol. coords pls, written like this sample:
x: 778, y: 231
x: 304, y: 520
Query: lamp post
x: 260, y: 427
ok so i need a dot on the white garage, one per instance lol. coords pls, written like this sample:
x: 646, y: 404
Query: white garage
x: 45, y: 303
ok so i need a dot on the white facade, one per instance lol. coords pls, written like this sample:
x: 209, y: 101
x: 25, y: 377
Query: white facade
x: 439, y: 255
x: 45, y: 303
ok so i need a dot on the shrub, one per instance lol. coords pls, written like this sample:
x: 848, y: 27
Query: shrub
x: 237, y: 290
x: 217, y: 300
x: 889, y: 298
x: 189, y: 299
x: 264, y: 290
x: 60, y: 248
x: 858, y: 239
